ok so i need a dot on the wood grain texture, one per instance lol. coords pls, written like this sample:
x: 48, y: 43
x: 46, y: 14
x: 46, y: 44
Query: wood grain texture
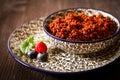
x: 16, y: 12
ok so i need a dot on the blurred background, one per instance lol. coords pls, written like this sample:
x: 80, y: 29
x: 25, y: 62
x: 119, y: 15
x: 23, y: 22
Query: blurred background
x: 16, y: 12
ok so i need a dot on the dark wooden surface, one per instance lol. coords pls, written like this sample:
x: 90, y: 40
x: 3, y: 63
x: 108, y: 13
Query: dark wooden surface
x: 16, y: 12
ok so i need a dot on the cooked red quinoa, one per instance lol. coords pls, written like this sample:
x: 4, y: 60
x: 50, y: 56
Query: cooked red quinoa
x: 81, y: 27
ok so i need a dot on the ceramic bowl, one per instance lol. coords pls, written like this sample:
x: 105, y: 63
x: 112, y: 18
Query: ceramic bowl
x: 81, y: 47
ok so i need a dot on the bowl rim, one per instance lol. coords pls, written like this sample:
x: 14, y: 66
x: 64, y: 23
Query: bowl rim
x: 72, y: 41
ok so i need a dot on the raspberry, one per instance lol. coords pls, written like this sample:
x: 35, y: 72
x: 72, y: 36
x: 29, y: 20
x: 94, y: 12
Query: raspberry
x: 40, y: 47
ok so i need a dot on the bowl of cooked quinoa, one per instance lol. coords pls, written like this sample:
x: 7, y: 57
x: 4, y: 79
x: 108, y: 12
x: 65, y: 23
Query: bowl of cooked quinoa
x: 82, y: 31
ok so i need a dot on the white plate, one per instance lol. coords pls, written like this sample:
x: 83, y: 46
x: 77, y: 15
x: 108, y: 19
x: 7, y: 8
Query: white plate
x: 58, y: 60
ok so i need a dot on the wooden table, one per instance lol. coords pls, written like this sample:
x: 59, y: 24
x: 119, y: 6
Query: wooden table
x: 16, y: 12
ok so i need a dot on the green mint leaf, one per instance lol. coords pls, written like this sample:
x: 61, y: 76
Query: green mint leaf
x: 27, y: 44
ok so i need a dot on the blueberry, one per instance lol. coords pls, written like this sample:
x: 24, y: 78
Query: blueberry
x: 42, y: 57
x: 32, y: 54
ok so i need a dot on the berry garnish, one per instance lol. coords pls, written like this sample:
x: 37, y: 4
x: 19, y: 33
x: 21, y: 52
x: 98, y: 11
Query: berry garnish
x: 32, y: 54
x: 40, y: 47
x: 42, y: 57
x: 38, y: 51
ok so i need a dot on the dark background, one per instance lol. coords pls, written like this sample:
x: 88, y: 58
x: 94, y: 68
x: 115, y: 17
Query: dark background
x: 15, y: 12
